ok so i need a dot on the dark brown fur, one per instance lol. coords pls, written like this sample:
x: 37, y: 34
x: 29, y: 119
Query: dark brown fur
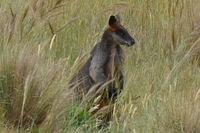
x: 105, y: 62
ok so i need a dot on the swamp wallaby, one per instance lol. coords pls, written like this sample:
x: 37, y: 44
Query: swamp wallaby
x: 105, y: 62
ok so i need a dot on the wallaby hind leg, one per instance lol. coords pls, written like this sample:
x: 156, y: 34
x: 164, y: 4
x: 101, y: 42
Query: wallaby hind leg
x: 112, y: 90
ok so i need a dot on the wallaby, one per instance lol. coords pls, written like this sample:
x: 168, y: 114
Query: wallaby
x: 106, y: 61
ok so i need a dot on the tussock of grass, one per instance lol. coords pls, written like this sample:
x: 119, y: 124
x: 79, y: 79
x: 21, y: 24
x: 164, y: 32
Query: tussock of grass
x: 44, y: 42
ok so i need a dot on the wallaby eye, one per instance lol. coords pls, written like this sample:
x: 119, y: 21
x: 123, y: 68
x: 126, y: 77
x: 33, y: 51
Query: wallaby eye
x: 122, y: 34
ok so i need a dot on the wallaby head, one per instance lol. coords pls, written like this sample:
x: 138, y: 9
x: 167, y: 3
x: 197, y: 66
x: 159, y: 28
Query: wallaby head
x: 118, y: 33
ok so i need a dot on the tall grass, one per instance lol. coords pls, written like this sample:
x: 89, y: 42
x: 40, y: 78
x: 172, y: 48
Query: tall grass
x: 44, y: 42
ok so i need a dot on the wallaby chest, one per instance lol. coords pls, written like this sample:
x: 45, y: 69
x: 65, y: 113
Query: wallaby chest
x: 114, y: 63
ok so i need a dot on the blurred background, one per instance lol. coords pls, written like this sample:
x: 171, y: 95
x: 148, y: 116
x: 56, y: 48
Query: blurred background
x: 44, y: 42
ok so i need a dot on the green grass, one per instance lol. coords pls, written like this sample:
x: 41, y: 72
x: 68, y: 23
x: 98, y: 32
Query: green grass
x: 44, y: 42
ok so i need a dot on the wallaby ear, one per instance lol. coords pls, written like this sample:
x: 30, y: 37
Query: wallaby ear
x: 117, y: 17
x: 112, y: 20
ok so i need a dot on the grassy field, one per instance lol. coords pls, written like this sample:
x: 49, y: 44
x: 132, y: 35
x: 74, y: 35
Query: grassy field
x: 44, y: 42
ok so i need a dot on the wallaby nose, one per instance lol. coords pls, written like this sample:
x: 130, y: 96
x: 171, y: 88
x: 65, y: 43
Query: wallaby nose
x: 132, y: 42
